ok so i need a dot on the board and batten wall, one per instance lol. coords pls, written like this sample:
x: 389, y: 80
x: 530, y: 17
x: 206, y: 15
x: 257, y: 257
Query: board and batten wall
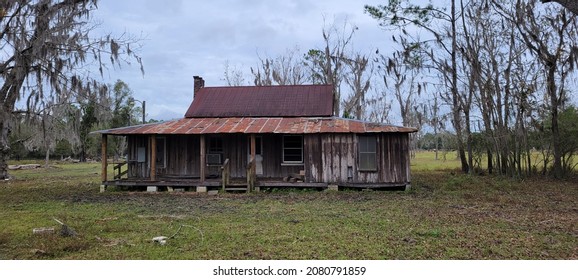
x: 329, y: 156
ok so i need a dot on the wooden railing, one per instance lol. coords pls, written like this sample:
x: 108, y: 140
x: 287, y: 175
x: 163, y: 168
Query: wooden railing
x: 225, y: 173
x: 251, y: 175
x: 118, y: 173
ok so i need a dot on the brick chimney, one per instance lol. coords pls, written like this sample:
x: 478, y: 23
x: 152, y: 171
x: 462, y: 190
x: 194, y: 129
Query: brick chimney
x: 199, y: 84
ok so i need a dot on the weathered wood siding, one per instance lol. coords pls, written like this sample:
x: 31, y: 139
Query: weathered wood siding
x: 326, y: 157
x: 182, y: 156
x: 273, y: 158
x: 313, y: 153
x: 135, y: 169
x: 329, y: 156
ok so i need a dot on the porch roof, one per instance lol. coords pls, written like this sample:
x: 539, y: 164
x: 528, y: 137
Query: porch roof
x: 291, y: 125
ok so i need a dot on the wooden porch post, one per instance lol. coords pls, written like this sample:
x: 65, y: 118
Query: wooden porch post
x: 253, y: 170
x: 202, y: 175
x: 103, y: 157
x: 153, y: 140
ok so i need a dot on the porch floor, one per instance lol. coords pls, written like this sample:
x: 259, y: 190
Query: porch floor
x: 239, y: 184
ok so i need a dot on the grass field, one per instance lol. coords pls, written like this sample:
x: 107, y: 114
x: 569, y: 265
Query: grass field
x: 445, y: 216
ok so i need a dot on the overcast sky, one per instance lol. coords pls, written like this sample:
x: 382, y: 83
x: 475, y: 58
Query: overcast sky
x: 188, y: 38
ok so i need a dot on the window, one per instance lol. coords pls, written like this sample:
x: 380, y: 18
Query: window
x: 367, y: 153
x: 215, y: 151
x: 141, y: 154
x: 292, y: 149
x: 215, y: 145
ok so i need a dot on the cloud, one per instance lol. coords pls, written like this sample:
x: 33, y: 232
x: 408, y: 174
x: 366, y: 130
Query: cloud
x: 187, y: 38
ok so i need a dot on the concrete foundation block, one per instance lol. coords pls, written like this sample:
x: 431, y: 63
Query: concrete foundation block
x: 201, y: 189
x: 179, y: 190
x: 170, y: 189
x: 213, y: 192
x: 152, y: 189
x: 102, y: 188
x: 408, y: 187
x: 333, y: 188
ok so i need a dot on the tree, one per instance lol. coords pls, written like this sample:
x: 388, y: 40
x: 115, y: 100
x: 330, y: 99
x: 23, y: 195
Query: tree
x: 378, y: 105
x: 233, y: 75
x: 122, y: 114
x: 285, y: 69
x: 400, y: 72
x: 45, y: 45
x: 359, y: 80
x: 551, y: 36
x: 435, y: 120
x: 569, y: 134
x: 87, y: 122
x: 327, y: 66
x: 571, y: 5
x: 401, y: 14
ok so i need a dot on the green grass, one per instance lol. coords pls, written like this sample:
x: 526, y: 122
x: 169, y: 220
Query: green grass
x: 445, y: 216
x: 424, y: 161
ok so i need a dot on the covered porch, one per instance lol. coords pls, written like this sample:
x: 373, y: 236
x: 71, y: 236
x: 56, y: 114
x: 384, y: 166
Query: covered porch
x: 148, y: 164
x: 255, y: 153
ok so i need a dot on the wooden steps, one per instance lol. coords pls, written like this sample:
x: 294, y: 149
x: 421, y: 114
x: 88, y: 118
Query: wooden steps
x: 236, y: 186
x: 236, y: 189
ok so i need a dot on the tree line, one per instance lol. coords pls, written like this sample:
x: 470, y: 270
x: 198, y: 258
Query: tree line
x: 497, y: 75
x: 65, y: 127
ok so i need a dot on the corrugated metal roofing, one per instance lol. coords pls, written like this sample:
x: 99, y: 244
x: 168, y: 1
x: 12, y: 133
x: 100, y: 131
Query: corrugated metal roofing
x: 258, y: 125
x: 263, y: 101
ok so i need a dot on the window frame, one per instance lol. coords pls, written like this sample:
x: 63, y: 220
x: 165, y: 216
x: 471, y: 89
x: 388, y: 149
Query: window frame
x: 215, y: 145
x: 283, y: 155
x: 364, y: 153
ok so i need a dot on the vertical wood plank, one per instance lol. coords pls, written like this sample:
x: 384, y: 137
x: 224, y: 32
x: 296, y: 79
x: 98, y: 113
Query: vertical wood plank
x: 202, y: 159
x: 407, y: 158
x: 103, y: 157
x: 153, y: 140
x: 253, y: 166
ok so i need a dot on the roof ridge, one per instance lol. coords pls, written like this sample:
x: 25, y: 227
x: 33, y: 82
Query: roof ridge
x: 301, y: 85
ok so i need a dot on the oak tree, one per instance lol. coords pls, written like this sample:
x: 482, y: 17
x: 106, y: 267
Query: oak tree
x: 47, y: 46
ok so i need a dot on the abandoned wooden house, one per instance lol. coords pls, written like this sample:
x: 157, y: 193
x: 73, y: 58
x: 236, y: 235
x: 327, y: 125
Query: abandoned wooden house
x: 254, y: 137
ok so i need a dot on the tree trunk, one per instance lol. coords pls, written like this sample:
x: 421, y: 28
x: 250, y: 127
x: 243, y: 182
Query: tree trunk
x: 457, y: 119
x: 490, y: 162
x: 557, y: 164
x: 469, y: 140
x: 4, y: 145
x: 436, y: 130
x: 47, y: 158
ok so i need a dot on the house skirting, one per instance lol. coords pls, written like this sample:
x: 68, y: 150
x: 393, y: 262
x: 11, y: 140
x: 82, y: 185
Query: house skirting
x: 217, y: 184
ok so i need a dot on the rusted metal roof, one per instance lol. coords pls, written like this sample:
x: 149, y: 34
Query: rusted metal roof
x: 263, y: 101
x: 290, y: 125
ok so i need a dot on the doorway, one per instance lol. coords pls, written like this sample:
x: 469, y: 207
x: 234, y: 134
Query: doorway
x: 258, y: 153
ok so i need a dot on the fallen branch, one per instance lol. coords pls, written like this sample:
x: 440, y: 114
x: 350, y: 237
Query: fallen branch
x: 43, y: 230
